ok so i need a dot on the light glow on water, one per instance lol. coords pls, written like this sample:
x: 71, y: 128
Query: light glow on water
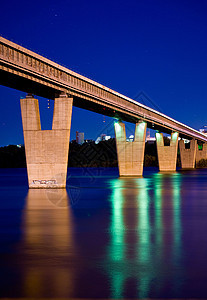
x: 117, y: 223
x: 150, y: 230
x: 144, y: 246
x: 121, y: 238
x: 117, y: 241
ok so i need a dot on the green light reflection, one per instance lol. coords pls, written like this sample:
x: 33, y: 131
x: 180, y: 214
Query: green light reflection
x: 158, y: 202
x: 143, y: 198
x: 117, y: 223
x: 117, y: 243
x: 177, y: 228
x: 143, y: 225
x: 144, y: 238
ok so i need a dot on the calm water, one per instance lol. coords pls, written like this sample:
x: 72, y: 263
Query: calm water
x: 104, y: 237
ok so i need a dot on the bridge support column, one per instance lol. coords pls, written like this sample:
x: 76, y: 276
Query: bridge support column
x: 130, y: 154
x: 201, y: 153
x: 188, y: 156
x: 167, y: 155
x: 46, y: 150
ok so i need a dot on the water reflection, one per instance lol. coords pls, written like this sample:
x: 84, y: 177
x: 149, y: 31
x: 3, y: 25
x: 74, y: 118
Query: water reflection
x: 117, y: 245
x: 116, y: 238
x: 48, y: 243
x: 145, y: 222
x: 176, y: 187
x: 144, y: 245
x: 177, y: 229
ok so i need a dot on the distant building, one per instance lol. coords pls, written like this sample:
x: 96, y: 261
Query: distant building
x: 103, y: 137
x: 148, y: 134
x: 79, y: 137
x: 149, y: 138
x: 203, y: 129
x: 89, y: 141
x: 130, y: 138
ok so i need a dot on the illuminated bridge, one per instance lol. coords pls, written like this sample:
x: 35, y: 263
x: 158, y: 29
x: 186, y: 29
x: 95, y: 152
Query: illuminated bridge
x: 27, y: 71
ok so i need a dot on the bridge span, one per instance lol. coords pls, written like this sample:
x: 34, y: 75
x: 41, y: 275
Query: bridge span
x: 27, y: 71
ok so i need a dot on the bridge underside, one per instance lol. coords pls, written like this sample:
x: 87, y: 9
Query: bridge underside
x: 28, y: 85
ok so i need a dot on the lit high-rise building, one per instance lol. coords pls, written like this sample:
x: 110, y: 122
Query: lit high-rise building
x: 79, y: 137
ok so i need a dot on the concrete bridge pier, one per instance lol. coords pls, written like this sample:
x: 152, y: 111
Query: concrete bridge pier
x: 46, y: 150
x: 167, y: 155
x: 130, y: 154
x: 188, y: 156
x: 201, y: 153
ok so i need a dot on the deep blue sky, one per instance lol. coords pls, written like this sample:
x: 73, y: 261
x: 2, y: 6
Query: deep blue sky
x: 155, y: 46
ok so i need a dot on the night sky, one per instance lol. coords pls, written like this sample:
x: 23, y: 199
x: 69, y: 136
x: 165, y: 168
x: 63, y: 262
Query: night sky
x: 151, y: 46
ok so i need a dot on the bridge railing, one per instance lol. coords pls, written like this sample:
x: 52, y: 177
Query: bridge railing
x: 25, y: 63
x: 25, y: 59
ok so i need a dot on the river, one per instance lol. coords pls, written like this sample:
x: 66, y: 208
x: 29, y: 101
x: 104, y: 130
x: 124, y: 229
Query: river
x: 104, y: 236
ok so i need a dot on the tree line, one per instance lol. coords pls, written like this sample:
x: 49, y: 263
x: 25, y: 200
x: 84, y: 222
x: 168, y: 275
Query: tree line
x: 103, y: 154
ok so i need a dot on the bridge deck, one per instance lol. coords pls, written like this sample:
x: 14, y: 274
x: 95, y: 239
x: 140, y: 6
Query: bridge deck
x: 25, y: 70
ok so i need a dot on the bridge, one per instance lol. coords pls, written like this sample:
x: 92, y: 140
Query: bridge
x: 47, y: 150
